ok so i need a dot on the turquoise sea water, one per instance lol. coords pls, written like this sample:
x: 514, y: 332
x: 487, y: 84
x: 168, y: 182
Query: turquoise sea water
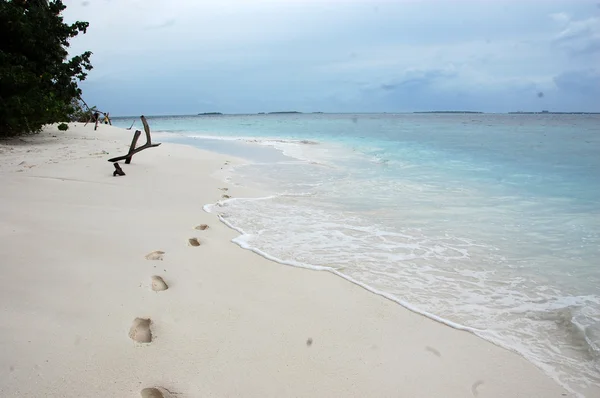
x: 485, y: 222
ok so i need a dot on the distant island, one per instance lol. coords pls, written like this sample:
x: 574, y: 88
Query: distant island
x: 447, y: 112
x: 553, y: 113
x: 283, y: 113
x: 210, y: 114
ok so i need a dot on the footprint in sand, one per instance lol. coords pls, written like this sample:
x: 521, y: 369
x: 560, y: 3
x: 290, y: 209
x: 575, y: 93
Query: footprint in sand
x: 225, y: 196
x: 201, y: 227
x: 152, y: 393
x: 140, y: 330
x: 157, y: 392
x: 475, y: 386
x: 158, y: 283
x: 194, y: 242
x: 25, y: 164
x: 224, y: 189
x: 433, y: 351
x: 155, y: 255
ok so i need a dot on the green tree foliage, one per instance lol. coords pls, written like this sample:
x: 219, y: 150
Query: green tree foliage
x: 38, y: 83
x: 80, y: 112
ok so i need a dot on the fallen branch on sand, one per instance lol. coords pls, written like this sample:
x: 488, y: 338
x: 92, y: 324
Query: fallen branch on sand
x: 132, y: 149
x: 118, y: 170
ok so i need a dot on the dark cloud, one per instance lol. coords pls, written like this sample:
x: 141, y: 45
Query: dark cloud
x: 162, y: 25
x: 582, y: 82
x: 417, y: 80
x: 592, y: 47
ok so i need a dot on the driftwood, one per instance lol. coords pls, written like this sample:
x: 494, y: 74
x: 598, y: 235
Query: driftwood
x: 132, y: 149
x: 92, y: 114
x: 118, y: 170
x: 94, y: 117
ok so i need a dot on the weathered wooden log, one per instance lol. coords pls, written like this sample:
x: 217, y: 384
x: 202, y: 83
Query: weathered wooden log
x: 146, y: 127
x: 96, y: 119
x: 136, y: 135
x: 132, y: 149
x: 118, y: 170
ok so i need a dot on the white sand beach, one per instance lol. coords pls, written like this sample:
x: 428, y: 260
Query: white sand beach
x: 74, y: 277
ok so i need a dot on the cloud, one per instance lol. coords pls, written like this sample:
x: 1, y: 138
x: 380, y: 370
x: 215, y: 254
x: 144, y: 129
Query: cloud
x: 414, y: 80
x: 457, y: 88
x: 578, y: 36
x: 164, y: 24
x: 577, y: 90
x: 560, y: 17
x: 586, y: 82
x: 186, y: 56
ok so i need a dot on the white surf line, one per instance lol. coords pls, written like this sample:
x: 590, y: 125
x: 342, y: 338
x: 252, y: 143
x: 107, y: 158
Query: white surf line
x: 208, y: 208
x: 487, y: 335
x: 270, y: 142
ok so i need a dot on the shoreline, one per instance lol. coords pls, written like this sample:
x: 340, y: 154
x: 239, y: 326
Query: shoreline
x: 231, y: 322
x: 491, y: 337
x: 492, y: 334
x: 365, y: 286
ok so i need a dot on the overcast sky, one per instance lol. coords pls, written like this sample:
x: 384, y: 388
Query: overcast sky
x: 243, y: 56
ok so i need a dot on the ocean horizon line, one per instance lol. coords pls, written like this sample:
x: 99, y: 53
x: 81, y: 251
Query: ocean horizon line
x: 296, y: 113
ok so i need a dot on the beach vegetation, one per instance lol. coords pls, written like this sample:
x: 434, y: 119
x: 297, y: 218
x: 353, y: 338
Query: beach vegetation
x: 38, y: 78
x: 81, y: 112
